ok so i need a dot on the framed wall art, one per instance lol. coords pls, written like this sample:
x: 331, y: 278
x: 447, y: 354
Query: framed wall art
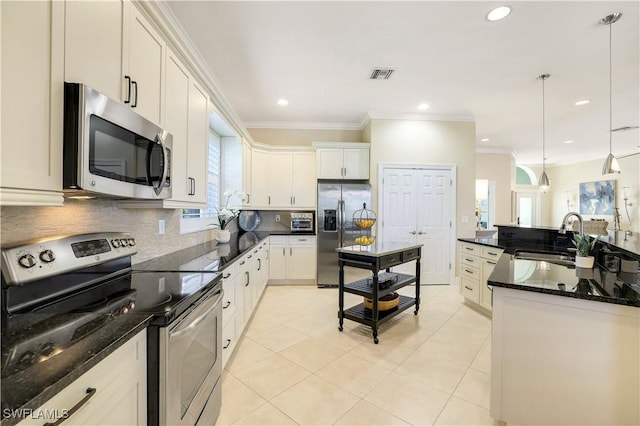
x: 598, y: 198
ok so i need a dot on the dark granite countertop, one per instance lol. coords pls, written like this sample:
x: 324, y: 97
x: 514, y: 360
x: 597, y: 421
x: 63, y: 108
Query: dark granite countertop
x: 29, y: 386
x: 490, y: 242
x: 597, y: 284
x: 378, y: 249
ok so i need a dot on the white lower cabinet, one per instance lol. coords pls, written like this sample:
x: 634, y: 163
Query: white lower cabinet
x: 476, y: 264
x: 120, y: 396
x: 292, y: 257
x: 243, y: 282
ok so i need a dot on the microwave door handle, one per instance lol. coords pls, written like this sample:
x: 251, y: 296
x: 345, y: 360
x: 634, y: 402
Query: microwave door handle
x: 165, y: 169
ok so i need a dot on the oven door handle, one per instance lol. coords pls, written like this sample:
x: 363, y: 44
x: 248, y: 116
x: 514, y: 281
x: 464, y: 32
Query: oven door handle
x: 165, y: 166
x: 193, y: 324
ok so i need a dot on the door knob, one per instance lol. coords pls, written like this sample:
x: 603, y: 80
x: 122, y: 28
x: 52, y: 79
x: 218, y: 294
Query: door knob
x: 420, y: 233
x: 413, y: 232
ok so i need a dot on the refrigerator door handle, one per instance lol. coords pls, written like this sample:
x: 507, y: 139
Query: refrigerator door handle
x: 342, y: 224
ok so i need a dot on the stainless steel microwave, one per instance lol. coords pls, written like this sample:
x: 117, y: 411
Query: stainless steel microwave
x: 112, y: 151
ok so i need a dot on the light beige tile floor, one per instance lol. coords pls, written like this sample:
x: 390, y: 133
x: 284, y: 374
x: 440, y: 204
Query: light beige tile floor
x: 293, y: 366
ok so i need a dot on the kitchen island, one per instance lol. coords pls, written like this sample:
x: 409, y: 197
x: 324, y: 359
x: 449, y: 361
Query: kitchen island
x: 565, y: 344
x: 377, y: 257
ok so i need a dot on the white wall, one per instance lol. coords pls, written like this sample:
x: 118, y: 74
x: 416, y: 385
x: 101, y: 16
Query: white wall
x: 568, y: 177
x: 429, y: 142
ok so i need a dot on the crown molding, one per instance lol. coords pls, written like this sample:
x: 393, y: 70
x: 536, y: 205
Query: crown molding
x: 496, y: 151
x: 301, y: 125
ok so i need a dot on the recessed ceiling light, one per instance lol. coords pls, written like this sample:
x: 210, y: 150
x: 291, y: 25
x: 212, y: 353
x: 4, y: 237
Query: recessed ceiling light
x: 568, y: 142
x: 582, y: 102
x: 423, y: 106
x: 283, y: 102
x: 484, y: 140
x: 498, y: 13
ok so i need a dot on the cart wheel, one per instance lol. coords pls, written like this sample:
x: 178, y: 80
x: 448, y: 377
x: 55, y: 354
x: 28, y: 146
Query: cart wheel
x: 375, y: 340
x: 415, y: 312
x: 340, y: 328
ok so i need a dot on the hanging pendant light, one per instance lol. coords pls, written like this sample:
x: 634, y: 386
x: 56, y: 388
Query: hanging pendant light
x: 543, y: 182
x: 611, y: 163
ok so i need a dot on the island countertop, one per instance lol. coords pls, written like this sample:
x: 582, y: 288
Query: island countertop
x: 598, y: 284
x: 378, y: 249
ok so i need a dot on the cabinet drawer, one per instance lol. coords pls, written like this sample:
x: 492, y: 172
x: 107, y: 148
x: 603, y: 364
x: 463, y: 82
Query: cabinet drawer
x: 279, y: 240
x: 491, y: 252
x: 470, y: 272
x: 390, y: 260
x: 410, y: 254
x: 470, y: 289
x: 468, y: 259
x: 468, y: 248
x: 302, y: 241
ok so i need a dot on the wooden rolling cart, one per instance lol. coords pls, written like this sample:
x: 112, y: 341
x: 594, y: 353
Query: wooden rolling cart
x: 377, y: 257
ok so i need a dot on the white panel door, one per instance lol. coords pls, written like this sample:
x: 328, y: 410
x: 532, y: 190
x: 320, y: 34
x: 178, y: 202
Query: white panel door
x: 417, y: 209
x: 399, y: 206
x: 434, y: 224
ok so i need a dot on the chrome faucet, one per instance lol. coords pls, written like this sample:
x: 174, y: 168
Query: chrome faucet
x: 563, y: 227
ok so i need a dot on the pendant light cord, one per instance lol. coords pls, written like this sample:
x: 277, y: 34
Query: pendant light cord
x: 543, y: 154
x: 610, y: 96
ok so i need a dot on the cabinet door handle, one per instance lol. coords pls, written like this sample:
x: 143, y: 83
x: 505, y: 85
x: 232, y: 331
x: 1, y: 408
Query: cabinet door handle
x: 492, y: 254
x: 269, y: 197
x: 490, y: 262
x: 247, y: 274
x: 128, y: 100
x: 420, y: 232
x: 90, y: 392
x: 290, y: 251
x: 471, y: 272
x: 248, y: 198
x: 242, y: 263
x: 294, y: 200
x: 283, y: 253
x: 227, y: 345
x: 259, y: 264
x: 226, y: 276
x: 227, y: 305
x: 468, y: 288
x: 135, y: 98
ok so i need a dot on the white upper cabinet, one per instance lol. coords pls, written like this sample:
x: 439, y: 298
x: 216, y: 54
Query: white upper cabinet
x: 112, y: 48
x: 143, y: 59
x: 32, y: 99
x: 197, y: 153
x: 342, y: 160
x: 282, y: 179
x: 93, y: 45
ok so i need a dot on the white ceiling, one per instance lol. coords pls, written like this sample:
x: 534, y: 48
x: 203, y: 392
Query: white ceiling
x: 319, y: 55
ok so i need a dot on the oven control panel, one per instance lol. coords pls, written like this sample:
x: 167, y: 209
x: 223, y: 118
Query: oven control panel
x: 37, y: 259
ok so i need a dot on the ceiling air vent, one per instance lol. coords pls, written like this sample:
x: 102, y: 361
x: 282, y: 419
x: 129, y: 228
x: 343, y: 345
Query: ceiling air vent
x: 381, y: 73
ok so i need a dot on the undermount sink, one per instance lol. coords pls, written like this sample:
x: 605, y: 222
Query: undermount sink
x: 559, y: 258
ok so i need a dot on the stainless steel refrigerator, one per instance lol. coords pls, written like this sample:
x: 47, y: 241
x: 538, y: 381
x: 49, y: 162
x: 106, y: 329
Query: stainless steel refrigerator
x: 337, y: 202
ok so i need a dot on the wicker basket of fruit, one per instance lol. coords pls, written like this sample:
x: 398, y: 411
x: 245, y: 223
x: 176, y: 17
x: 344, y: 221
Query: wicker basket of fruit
x: 365, y: 240
x: 385, y: 303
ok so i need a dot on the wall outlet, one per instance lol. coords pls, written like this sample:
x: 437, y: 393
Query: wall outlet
x: 277, y: 218
x: 161, y: 227
x: 465, y: 219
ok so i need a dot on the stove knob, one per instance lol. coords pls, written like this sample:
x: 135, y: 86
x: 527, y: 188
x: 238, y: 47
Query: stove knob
x: 27, y: 358
x: 132, y: 242
x: 47, y: 349
x: 27, y: 261
x: 132, y: 305
x: 115, y: 243
x: 123, y: 242
x: 124, y: 310
x: 47, y: 256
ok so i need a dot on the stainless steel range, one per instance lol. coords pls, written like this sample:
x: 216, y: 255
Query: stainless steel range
x: 56, y: 291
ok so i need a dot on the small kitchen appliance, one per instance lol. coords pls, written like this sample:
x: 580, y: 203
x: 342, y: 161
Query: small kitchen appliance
x: 301, y: 222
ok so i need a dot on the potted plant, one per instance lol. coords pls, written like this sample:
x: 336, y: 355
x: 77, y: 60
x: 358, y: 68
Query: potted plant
x: 227, y: 214
x: 584, y: 244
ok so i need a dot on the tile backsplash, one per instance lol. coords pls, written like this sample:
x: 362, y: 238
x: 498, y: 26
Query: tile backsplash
x: 78, y: 217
